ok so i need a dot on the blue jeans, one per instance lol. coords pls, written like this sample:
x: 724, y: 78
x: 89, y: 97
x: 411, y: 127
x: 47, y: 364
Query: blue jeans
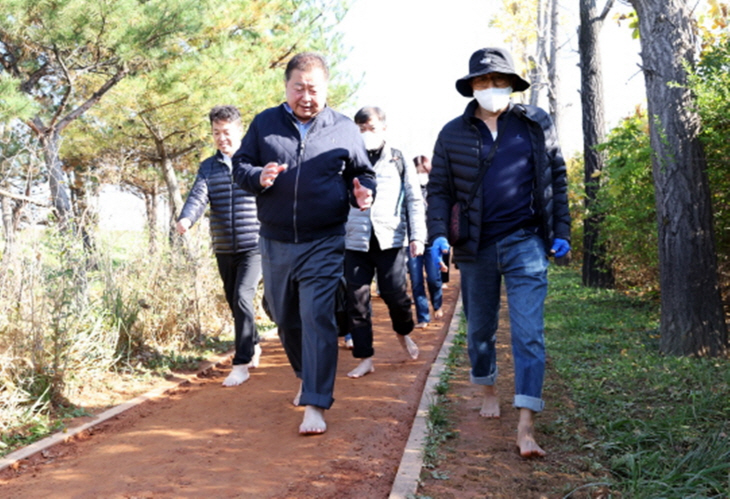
x: 416, y: 266
x: 520, y: 258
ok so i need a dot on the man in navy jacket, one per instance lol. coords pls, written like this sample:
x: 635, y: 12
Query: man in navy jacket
x: 307, y: 164
x: 234, y: 229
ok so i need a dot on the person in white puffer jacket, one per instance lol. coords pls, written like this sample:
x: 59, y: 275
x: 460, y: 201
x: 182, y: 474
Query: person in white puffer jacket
x: 376, y: 242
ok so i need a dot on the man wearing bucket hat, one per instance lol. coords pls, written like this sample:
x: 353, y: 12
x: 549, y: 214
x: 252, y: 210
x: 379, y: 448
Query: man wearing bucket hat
x: 501, y: 162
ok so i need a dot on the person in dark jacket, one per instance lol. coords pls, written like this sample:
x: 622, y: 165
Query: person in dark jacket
x: 234, y: 230
x: 517, y: 217
x: 307, y: 164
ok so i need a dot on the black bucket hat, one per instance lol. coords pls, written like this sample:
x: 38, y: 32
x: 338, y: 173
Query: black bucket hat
x: 490, y: 60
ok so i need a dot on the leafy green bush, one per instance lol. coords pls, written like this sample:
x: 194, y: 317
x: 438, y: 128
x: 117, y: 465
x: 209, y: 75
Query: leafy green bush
x: 711, y: 85
x: 576, y: 201
x: 626, y: 201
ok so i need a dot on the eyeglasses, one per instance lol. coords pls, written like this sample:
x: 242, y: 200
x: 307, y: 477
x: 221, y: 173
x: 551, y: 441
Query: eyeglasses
x: 491, y: 80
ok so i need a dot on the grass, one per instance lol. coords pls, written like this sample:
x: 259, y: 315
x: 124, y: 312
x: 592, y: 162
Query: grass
x: 659, y: 424
x: 83, y: 329
x: 654, y: 426
x: 438, y: 420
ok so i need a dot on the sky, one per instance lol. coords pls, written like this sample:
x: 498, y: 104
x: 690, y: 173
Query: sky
x: 410, y: 53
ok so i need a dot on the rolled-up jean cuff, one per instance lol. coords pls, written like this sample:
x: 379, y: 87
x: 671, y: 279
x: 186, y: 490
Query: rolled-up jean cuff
x: 527, y: 402
x: 484, y: 380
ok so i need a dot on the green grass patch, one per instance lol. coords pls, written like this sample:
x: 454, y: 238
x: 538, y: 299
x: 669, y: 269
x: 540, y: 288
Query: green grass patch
x: 439, y: 419
x: 659, y: 424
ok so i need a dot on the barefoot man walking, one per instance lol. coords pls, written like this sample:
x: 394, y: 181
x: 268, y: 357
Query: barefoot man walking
x: 306, y: 163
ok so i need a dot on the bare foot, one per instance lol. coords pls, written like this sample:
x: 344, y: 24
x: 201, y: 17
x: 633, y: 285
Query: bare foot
x: 525, y: 439
x: 256, y: 356
x: 408, y: 345
x: 239, y: 374
x: 421, y: 325
x: 313, y: 422
x: 490, y: 403
x: 365, y: 367
x: 297, y: 396
x: 438, y: 314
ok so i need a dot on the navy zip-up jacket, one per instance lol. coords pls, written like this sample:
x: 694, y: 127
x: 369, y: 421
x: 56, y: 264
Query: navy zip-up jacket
x: 233, y: 224
x: 311, y: 198
x: 457, y: 152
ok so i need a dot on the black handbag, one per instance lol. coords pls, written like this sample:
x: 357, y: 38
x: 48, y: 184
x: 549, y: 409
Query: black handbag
x: 459, y: 216
x: 458, y: 224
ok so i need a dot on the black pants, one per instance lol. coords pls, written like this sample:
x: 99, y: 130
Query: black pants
x: 360, y: 267
x: 241, y: 273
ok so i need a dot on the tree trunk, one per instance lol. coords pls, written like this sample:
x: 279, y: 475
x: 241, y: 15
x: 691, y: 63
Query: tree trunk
x: 8, y: 226
x: 85, y: 214
x: 552, y: 65
x: 51, y: 142
x: 597, y: 271
x: 536, y: 69
x: 150, y: 202
x: 692, y: 317
x: 173, y: 188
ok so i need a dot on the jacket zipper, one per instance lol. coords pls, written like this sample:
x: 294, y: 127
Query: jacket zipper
x: 232, y: 208
x: 300, y: 155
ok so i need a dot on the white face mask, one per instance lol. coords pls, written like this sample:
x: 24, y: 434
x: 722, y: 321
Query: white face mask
x: 493, y: 99
x: 373, y: 141
x: 423, y: 178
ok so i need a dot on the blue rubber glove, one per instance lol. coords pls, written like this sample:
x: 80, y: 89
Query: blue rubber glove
x: 560, y: 248
x: 439, y: 247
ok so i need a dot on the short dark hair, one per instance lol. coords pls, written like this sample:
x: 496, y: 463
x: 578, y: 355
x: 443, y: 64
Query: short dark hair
x: 366, y: 114
x: 419, y: 160
x: 224, y: 113
x: 304, y: 61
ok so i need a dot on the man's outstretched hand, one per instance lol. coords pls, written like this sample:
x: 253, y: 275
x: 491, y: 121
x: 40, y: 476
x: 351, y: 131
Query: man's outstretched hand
x: 363, y: 195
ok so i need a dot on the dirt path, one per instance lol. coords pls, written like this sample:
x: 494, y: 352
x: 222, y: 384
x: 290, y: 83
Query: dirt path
x: 482, y: 461
x: 202, y: 440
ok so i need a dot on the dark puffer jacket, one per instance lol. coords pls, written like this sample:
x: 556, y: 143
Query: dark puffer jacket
x: 457, y: 148
x: 234, y: 226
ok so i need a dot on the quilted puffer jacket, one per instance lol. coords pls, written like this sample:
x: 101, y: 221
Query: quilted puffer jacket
x: 234, y: 226
x: 457, y: 149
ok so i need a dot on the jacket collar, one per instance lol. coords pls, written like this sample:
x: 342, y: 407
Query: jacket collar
x: 323, y: 118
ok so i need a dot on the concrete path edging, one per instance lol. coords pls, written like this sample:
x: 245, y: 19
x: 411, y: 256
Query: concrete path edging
x: 407, y: 478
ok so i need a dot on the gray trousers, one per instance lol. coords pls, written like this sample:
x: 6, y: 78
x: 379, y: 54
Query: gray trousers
x: 300, y: 283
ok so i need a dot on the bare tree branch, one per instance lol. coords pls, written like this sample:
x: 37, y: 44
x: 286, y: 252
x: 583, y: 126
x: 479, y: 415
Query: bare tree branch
x: 116, y: 78
x: 606, y: 9
x: 25, y: 199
